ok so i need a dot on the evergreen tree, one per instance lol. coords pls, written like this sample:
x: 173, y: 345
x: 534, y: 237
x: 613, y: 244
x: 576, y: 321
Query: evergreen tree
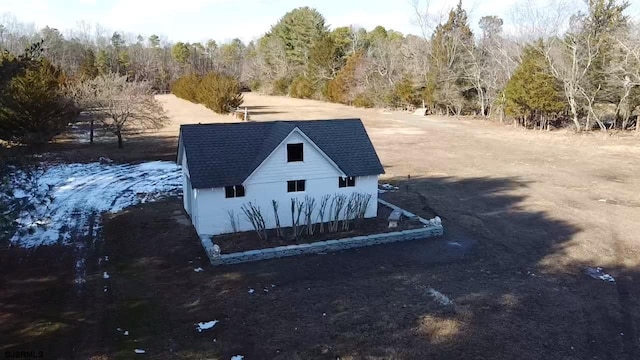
x: 298, y: 30
x: 180, y: 52
x: 88, y: 68
x: 533, y: 93
x: 449, y: 45
x: 103, y: 63
x: 33, y: 108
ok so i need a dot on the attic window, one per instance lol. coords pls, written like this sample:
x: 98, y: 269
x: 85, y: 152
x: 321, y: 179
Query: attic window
x: 294, y: 152
x: 296, y: 185
x: 234, y: 191
x: 346, y: 181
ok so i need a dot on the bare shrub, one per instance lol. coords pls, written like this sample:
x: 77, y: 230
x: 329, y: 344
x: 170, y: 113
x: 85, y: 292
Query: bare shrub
x: 337, y: 204
x: 254, y: 215
x: 296, y: 212
x: 276, y: 216
x: 233, y: 221
x: 324, y: 201
x: 309, y: 206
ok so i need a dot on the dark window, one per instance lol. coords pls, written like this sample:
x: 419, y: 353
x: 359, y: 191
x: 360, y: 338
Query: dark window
x: 296, y: 185
x: 346, y: 181
x: 234, y: 191
x: 294, y: 152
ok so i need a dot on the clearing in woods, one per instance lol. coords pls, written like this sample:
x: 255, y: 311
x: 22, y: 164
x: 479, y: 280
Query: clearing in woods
x: 525, y: 212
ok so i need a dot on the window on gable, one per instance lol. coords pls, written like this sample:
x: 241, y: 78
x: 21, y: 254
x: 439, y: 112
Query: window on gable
x: 296, y: 185
x: 234, y: 191
x: 349, y: 181
x: 295, y: 152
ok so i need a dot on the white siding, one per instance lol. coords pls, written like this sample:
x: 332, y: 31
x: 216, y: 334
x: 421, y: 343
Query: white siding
x: 210, y: 209
x: 276, y: 168
x: 187, y: 193
x: 214, y: 207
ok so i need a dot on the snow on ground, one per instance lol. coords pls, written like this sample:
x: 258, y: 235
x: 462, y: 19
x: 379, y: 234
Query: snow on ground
x: 68, y: 198
x: 439, y: 297
x: 198, y: 269
x: 201, y: 326
x: 237, y: 357
x: 105, y: 275
x: 139, y: 351
x: 599, y: 274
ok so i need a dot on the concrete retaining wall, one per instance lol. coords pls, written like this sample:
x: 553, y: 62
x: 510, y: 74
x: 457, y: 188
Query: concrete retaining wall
x: 429, y: 230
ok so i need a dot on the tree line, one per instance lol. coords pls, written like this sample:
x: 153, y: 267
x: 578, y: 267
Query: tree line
x: 586, y: 77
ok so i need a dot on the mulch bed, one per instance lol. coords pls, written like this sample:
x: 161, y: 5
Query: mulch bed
x: 249, y: 240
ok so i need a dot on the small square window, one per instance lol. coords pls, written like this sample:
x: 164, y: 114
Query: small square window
x: 295, y: 152
x: 349, y: 181
x: 296, y: 185
x: 234, y: 191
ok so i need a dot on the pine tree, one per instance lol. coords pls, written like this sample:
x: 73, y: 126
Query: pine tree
x: 299, y: 29
x: 103, y: 63
x: 34, y: 108
x: 532, y: 93
x: 448, y: 61
x: 88, y: 69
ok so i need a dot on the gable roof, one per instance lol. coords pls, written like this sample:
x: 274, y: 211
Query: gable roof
x: 226, y: 154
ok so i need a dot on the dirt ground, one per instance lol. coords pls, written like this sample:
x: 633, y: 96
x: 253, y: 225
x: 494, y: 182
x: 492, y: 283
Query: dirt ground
x: 527, y: 211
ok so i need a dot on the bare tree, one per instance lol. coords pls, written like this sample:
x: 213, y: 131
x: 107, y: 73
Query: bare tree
x: 123, y: 107
x: 628, y: 72
x: 276, y: 216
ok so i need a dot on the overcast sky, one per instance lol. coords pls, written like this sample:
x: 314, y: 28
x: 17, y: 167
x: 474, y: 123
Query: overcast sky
x: 223, y: 20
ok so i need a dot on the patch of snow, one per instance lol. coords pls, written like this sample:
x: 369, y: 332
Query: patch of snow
x: 67, y: 199
x: 265, y: 290
x: 439, y: 297
x: 388, y: 187
x: 602, y: 200
x: 105, y: 160
x: 251, y: 291
x: 126, y: 333
x: 139, y: 351
x: 599, y: 274
x: 454, y: 243
x: 119, y: 329
x: 237, y: 357
x: 201, y: 326
x: 199, y: 269
x: 105, y: 275
x: 106, y: 258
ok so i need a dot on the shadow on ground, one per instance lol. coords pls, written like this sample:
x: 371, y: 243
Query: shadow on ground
x: 372, y: 303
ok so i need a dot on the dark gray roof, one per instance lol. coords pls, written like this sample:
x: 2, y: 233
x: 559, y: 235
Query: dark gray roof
x: 226, y: 154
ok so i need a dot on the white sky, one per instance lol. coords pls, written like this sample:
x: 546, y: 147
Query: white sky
x: 223, y: 20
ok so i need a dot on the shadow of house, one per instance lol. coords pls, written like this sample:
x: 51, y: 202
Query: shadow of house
x: 379, y: 302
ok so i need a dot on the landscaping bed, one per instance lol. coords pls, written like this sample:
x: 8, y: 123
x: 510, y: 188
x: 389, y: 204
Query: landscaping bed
x: 249, y: 240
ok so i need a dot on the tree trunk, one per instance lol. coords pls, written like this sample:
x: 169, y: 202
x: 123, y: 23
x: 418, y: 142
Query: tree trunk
x: 574, y: 113
x: 119, y: 135
x: 91, y: 132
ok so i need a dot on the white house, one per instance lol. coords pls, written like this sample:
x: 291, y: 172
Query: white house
x: 227, y: 165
